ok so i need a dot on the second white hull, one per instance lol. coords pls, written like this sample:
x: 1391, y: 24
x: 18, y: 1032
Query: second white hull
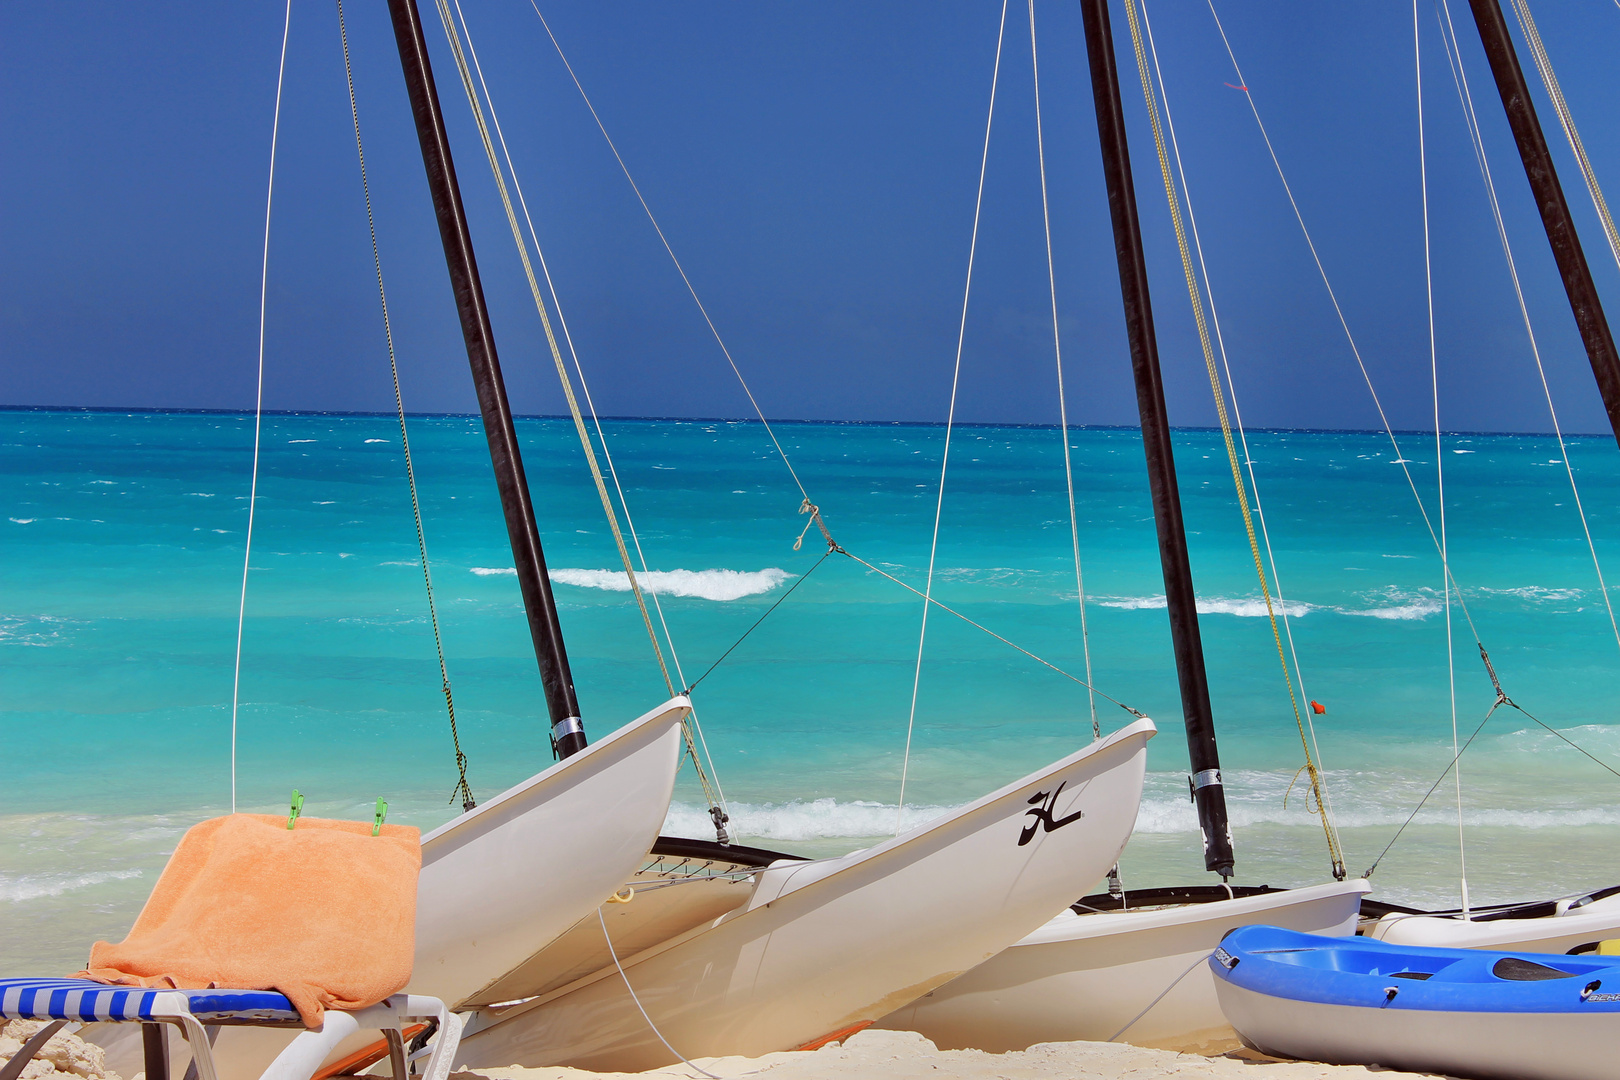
x: 1573, y: 928
x: 825, y: 945
x: 1087, y: 976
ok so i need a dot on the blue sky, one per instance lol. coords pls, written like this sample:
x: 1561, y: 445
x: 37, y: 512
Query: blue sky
x: 814, y: 165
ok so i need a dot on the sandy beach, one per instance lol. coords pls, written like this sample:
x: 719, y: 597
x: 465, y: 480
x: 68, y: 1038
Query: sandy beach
x: 903, y: 1055
x: 867, y: 1055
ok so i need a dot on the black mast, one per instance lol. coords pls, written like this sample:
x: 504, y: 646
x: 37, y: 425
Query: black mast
x: 1549, y: 194
x: 567, y: 733
x: 1178, y: 588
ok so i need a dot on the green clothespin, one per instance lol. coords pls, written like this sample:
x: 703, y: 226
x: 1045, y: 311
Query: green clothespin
x: 382, y: 812
x: 297, y: 808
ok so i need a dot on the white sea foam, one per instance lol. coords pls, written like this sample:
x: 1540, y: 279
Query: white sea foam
x: 376, y: 440
x: 1248, y: 607
x: 703, y: 584
x: 1536, y: 594
x: 491, y: 571
x: 20, y: 887
x: 1177, y: 815
x: 291, y: 441
x: 24, y: 521
x: 816, y: 819
x: 1396, y: 605
x: 1417, y: 609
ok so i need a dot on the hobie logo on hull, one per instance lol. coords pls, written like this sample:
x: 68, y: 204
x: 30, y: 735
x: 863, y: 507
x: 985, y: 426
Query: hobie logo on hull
x: 1045, y: 803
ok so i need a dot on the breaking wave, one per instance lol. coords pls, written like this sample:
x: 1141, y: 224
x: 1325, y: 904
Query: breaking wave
x: 19, y: 887
x: 490, y: 571
x: 816, y: 819
x: 703, y: 584
x: 1215, y: 605
x: 1397, y: 606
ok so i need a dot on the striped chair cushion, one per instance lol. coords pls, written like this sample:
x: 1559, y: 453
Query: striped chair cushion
x: 87, y: 1002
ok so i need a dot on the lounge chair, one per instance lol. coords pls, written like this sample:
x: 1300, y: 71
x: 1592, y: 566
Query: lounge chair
x: 64, y: 1002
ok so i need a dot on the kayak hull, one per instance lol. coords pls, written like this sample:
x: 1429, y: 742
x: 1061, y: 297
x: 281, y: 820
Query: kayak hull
x: 1467, y: 1013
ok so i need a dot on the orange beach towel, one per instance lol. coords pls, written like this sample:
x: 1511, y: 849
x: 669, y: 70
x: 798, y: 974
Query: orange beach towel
x: 324, y: 913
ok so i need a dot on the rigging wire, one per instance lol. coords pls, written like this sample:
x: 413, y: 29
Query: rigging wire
x: 1190, y: 274
x: 1448, y: 35
x: 704, y: 311
x: 462, y: 788
x: 1549, y: 80
x: 1237, y: 417
x: 980, y: 626
x: 1439, y: 455
x: 258, y: 401
x: 950, y: 417
x: 1355, y: 350
x: 717, y: 811
x: 1057, y: 351
x: 1344, y: 325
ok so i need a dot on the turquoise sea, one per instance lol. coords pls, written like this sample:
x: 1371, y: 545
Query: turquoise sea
x: 121, y: 539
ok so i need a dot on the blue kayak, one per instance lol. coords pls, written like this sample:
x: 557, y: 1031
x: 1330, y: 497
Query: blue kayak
x: 1466, y: 1012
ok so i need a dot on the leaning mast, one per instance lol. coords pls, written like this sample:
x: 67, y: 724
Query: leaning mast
x: 567, y: 732
x: 1550, y: 201
x: 1207, y: 791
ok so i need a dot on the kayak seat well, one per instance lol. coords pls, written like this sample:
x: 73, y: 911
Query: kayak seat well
x: 1513, y: 969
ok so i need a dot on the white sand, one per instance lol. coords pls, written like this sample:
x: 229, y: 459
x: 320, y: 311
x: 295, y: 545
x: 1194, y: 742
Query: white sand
x: 905, y: 1055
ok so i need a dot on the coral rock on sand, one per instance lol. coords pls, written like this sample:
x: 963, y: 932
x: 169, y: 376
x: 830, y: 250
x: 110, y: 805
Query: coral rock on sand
x: 905, y: 1055
x: 63, y: 1056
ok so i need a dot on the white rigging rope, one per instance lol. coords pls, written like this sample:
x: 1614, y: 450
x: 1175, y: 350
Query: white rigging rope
x: 1057, y: 350
x: 460, y: 55
x: 258, y: 401
x: 1439, y: 456
x: 1521, y: 8
x: 1460, y: 77
x: 596, y: 422
x: 704, y: 311
x: 1304, y: 710
x: 950, y: 419
x: 1350, y: 338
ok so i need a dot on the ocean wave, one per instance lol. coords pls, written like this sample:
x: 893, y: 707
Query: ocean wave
x: 1397, y: 606
x: 20, y: 887
x: 1417, y: 609
x: 491, y: 571
x: 1215, y: 605
x: 1176, y: 815
x: 815, y: 819
x: 703, y: 584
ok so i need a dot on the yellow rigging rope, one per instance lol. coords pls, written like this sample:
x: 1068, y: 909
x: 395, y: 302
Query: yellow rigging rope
x: 1320, y: 808
x: 563, y: 378
x: 462, y: 789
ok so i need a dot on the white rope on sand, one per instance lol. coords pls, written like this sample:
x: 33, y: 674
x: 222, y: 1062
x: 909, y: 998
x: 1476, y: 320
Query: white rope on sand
x: 950, y: 419
x: 639, y: 1008
x: 258, y: 401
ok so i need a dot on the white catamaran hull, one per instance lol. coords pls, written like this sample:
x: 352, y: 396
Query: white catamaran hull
x: 827, y: 945
x: 1087, y: 976
x: 500, y: 882
x: 1569, y: 929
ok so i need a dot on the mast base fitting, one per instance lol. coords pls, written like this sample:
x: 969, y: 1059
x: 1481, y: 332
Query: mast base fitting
x: 563, y: 728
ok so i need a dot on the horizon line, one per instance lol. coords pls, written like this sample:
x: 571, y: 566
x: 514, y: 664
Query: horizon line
x: 161, y: 411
